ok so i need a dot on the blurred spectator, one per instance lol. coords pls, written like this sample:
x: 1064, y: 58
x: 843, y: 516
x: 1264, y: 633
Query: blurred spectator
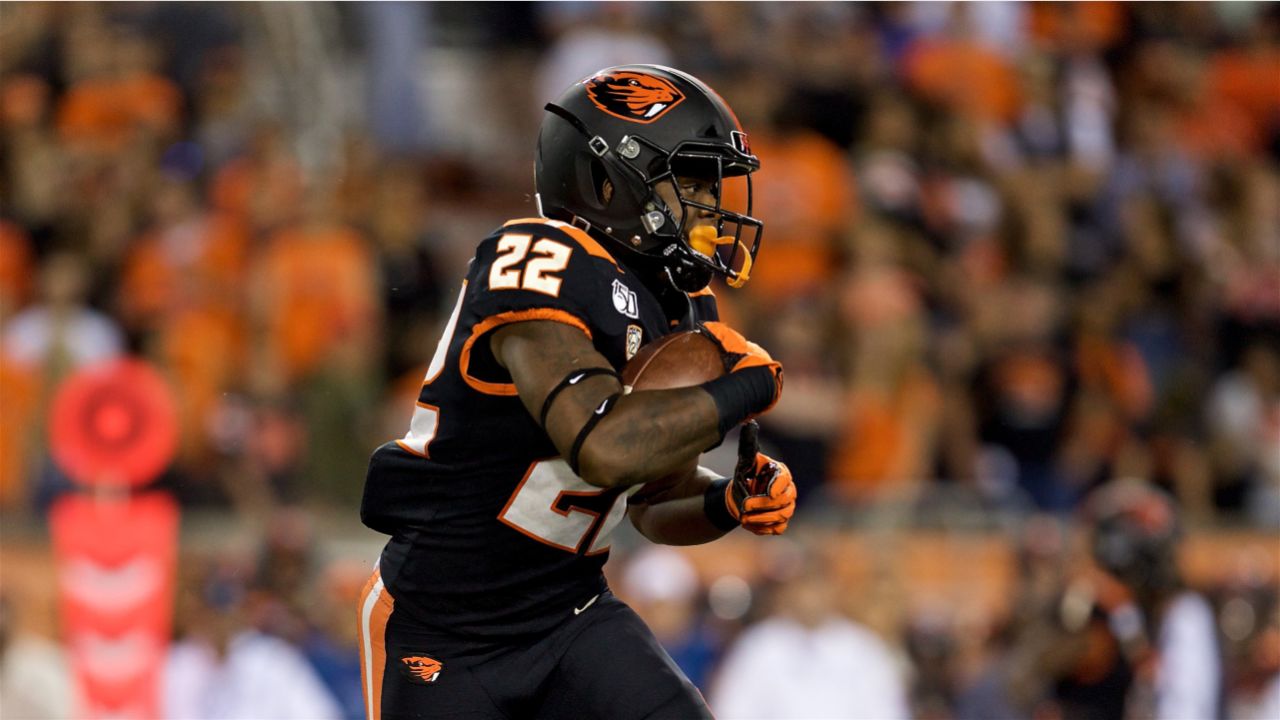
x: 42, y: 344
x: 20, y: 388
x: 411, y: 286
x: 1265, y: 661
x: 1000, y: 27
x: 590, y: 37
x: 957, y: 70
x: 61, y: 332
x: 262, y: 187
x: 396, y: 35
x: 806, y: 660
x: 891, y: 399
x: 808, y: 195
x: 807, y: 419
x: 33, y: 163
x: 35, y: 682
x: 1015, y: 678
x: 318, y: 323
x: 116, y: 96
x: 1023, y: 391
x: 262, y: 442
x: 220, y: 669
x: 331, y: 643
x: 182, y: 292
x: 17, y: 265
x: 314, y: 296
x: 1243, y: 417
x: 663, y: 588
x: 1248, y: 605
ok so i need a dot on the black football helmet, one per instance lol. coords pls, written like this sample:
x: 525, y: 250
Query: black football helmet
x: 610, y: 140
x: 1135, y: 531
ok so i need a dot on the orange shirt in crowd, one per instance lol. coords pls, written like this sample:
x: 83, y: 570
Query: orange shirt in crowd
x: 1249, y: 80
x: 186, y: 284
x: 19, y: 401
x: 23, y: 100
x: 201, y: 262
x: 1218, y: 129
x: 964, y: 76
x: 1094, y: 24
x: 317, y: 290
x: 204, y: 351
x: 884, y: 442
x: 258, y: 192
x: 1118, y: 370
x: 805, y: 197
x: 103, y: 112
x: 17, y: 267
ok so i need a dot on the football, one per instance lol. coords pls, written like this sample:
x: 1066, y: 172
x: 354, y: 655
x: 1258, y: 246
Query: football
x: 681, y: 359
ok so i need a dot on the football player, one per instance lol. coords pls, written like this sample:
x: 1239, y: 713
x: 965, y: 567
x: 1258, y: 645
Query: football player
x: 525, y: 452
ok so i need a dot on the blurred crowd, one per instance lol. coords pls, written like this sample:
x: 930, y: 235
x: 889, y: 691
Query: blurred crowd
x: 1012, y: 252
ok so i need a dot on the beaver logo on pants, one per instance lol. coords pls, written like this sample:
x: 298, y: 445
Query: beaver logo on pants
x: 421, y: 668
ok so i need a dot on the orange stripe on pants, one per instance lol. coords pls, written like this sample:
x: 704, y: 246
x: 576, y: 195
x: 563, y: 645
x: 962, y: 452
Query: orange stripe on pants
x: 375, y: 608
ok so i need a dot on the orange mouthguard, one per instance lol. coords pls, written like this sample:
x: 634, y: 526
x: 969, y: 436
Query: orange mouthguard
x: 703, y: 239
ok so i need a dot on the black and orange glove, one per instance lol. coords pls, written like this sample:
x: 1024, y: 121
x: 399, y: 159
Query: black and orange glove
x: 753, y: 382
x: 762, y: 495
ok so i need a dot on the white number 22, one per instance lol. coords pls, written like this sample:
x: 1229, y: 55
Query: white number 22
x: 556, y: 507
x: 549, y: 257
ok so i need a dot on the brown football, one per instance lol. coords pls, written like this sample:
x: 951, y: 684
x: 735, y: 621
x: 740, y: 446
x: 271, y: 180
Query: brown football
x: 681, y: 359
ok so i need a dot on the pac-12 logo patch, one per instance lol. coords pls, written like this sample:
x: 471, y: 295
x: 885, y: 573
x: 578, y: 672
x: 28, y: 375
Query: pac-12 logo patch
x: 634, y: 96
x: 421, y: 669
x: 634, y: 335
x: 624, y: 301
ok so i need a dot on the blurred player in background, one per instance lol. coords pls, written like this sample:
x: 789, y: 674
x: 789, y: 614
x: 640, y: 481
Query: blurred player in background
x: 1164, y: 629
x: 1124, y: 639
x: 524, y: 452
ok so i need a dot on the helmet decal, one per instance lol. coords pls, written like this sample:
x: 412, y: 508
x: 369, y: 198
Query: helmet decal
x: 634, y: 96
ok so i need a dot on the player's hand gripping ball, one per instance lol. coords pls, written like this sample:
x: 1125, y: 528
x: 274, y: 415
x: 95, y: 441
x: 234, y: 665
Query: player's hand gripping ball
x: 739, y: 354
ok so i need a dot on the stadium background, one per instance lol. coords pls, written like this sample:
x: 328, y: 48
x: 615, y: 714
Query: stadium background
x: 1013, y: 251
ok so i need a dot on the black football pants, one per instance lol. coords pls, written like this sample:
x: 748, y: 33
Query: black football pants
x: 601, y: 663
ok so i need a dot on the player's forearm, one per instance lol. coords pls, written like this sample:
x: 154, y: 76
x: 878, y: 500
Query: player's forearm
x: 676, y: 515
x: 648, y: 436
x: 677, y: 522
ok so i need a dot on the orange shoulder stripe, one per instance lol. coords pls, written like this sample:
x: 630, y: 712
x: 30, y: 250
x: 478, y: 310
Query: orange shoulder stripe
x: 703, y: 292
x: 588, y: 243
x: 506, y: 318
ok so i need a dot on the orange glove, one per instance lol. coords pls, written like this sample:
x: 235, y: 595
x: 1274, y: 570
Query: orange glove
x: 762, y: 495
x: 740, y: 354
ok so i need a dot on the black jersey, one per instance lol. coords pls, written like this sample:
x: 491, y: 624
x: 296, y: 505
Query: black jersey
x: 491, y: 533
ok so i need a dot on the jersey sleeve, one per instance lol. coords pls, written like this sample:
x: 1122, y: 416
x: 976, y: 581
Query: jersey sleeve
x: 541, y: 269
x: 533, y: 269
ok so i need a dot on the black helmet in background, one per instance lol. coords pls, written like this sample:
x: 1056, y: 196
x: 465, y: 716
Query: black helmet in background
x: 1134, y: 535
x: 610, y: 140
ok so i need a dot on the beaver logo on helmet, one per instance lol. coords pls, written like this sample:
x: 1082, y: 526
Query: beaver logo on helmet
x: 637, y: 97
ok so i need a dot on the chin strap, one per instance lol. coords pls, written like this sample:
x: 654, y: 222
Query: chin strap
x: 703, y: 240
